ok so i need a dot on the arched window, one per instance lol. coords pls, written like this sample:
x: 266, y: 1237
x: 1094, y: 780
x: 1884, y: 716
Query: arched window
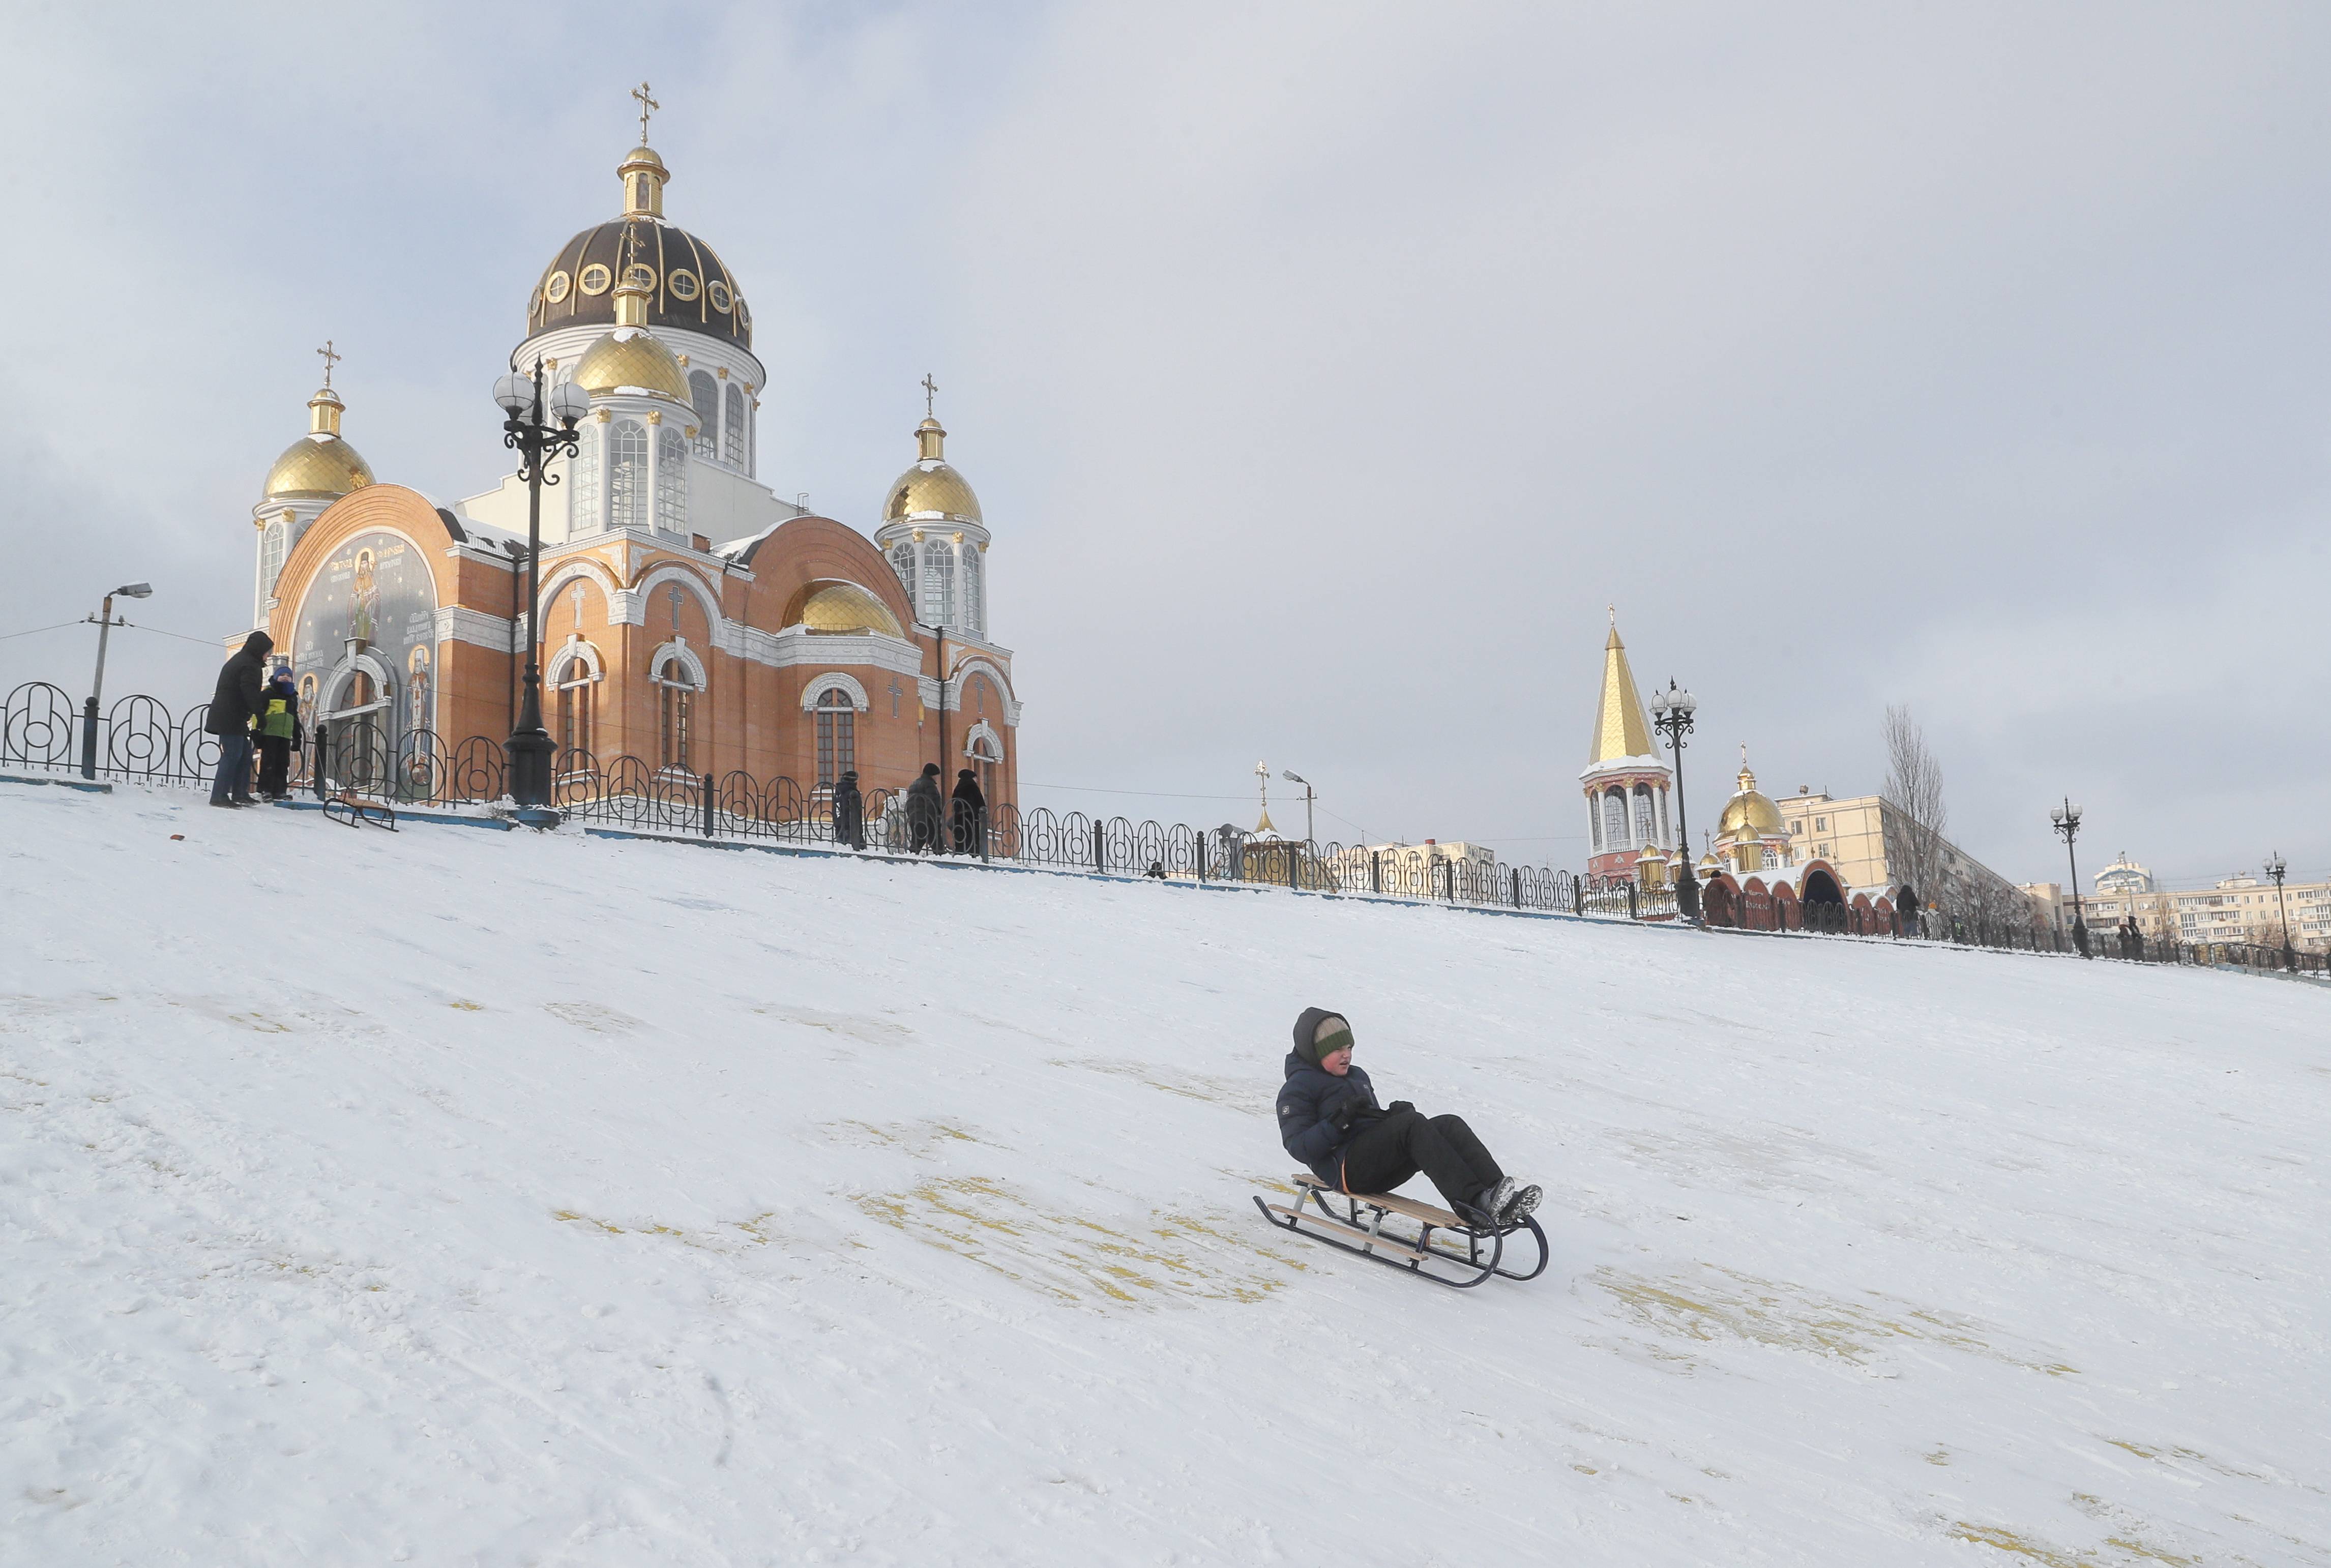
x: 1614, y: 820
x: 672, y: 481
x: 732, y: 439
x: 988, y: 751
x: 938, y: 585
x: 585, y: 517
x: 1643, y: 822
x: 975, y: 585
x: 270, y: 566
x: 677, y: 693
x: 627, y: 476
x: 902, y: 561
x: 1594, y: 821
x: 837, y: 736
x: 574, y: 717
x: 704, y: 396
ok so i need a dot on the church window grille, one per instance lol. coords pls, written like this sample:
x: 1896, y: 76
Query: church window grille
x: 938, y: 585
x: 672, y: 481
x: 584, y: 469
x: 1614, y: 820
x: 627, y: 476
x: 1643, y: 815
x: 704, y: 396
x: 837, y: 736
x: 677, y: 695
x: 732, y: 437
x: 1594, y: 821
x: 902, y: 560
x: 975, y: 591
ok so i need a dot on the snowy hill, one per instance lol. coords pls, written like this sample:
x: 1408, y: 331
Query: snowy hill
x: 461, y: 1197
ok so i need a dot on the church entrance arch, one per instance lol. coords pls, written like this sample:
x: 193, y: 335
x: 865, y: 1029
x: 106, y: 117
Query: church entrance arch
x: 1824, y: 902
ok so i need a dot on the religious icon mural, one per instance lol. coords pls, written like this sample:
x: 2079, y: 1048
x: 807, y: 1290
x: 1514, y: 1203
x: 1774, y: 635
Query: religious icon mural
x: 367, y: 626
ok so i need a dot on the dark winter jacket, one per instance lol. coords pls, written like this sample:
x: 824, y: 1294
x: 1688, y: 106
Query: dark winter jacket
x: 1308, y: 1101
x: 849, y: 812
x: 278, y: 713
x: 923, y: 807
x: 966, y: 791
x: 236, y: 702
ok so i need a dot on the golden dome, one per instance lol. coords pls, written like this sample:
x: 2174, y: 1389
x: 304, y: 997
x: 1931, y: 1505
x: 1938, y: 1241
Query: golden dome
x: 930, y: 485
x: 833, y: 607
x: 630, y: 357
x: 1749, y: 814
x: 318, y: 465
x: 642, y: 157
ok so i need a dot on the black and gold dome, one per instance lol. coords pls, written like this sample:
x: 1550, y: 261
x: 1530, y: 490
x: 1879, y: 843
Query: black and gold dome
x: 689, y: 286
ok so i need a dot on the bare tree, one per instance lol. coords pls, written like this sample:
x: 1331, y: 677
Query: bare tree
x: 1914, y: 790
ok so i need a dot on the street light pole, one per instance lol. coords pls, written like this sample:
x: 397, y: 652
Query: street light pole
x: 1671, y: 712
x: 105, y: 626
x: 2275, y: 867
x: 2067, y: 818
x: 525, y: 432
x: 1291, y: 776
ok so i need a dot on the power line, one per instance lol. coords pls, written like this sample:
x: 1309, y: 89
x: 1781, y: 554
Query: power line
x: 134, y: 626
x: 38, y: 629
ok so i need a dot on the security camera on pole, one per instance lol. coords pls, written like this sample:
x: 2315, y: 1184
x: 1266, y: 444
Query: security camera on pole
x: 105, y: 626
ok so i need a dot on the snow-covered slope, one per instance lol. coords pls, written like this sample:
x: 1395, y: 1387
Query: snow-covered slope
x: 457, y: 1197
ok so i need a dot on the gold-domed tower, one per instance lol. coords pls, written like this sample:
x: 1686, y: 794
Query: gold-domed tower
x: 313, y: 472
x: 1750, y: 835
x: 1625, y: 780
x: 934, y: 535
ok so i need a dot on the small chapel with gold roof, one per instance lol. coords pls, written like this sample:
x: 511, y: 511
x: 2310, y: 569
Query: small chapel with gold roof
x: 689, y: 618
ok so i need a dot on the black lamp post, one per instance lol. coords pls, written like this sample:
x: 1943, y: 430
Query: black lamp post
x: 2067, y: 818
x: 105, y: 626
x: 2275, y: 867
x: 1310, y: 835
x: 520, y: 397
x: 1671, y: 712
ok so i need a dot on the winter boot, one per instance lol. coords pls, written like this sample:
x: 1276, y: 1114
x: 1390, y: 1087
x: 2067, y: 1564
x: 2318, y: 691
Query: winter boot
x: 1493, y: 1200
x: 1518, y: 1207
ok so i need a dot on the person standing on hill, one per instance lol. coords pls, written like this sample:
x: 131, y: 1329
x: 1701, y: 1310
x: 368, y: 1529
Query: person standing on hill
x: 234, y: 705
x: 970, y: 814
x: 923, y: 810
x: 849, y: 811
x: 1329, y: 1118
x: 280, y: 734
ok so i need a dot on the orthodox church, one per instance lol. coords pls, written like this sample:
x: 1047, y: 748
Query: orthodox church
x: 1752, y: 874
x: 689, y: 618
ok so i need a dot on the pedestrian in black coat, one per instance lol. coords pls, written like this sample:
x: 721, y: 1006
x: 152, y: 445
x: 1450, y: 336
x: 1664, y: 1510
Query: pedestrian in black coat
x: 923, y: 810
x: 970, y: 815
x: 1329, y: 1118
x: 234, y: 704
x: 849, y: 811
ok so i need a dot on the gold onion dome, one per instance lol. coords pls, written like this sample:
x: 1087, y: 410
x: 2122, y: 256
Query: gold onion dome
x: 688, y: 285
x: 834, y: 607
x: 320, y: 464
x: 931, y: 485
x: 630, y: 357
x: 1749, y: 814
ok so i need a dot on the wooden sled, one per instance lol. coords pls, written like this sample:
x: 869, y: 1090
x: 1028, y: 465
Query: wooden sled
x: 1360, y: 1228
x: 347, y: 808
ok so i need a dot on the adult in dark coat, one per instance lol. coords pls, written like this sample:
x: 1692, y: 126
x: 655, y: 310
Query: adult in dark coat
x: 234, y: 705
x: 849, y: 811
x: 923, y: 810
x: 970, y: 821
x: 280, y: 734
x: 1329, y: 1118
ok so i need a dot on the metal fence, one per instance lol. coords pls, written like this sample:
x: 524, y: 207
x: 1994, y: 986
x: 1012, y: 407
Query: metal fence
x: 139, y: 740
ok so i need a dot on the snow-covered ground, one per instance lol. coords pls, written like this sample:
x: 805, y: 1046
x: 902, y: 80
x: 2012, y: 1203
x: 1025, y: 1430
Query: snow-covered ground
x: 461, y: 1197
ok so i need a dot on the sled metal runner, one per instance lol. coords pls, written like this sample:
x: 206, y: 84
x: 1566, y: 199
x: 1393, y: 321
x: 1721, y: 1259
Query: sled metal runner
x: 355, y: 811
x: 1414, y: 1247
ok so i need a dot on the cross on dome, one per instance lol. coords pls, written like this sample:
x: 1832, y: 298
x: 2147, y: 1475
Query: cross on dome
x: 648, y: 106
x: 331, y: 359
x: 930, y: 395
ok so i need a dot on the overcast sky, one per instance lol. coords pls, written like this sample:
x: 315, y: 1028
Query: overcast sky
x: 1323, y: 371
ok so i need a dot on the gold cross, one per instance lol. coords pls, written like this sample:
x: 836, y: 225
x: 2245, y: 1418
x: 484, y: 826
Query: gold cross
x: 331, y: 359
x: 930, y: 395
x: 647, y: 106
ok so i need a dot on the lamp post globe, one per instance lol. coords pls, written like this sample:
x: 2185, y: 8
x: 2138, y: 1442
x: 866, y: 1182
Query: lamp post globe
x: 2067, y: 818
x: 519, y: 395
x: 1671, y: 712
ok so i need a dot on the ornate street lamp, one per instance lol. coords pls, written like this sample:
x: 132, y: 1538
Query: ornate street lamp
x: 2275, y: 867
x: 2067, y: 818
x: 105, y: 626
x: 520, y: 397
x: 1671, y: 712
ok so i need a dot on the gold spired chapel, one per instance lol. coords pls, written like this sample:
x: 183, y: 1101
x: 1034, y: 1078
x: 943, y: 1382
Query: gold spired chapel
x: 689, y: 618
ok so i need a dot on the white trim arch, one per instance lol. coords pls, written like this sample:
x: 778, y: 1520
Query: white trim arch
x: 566, y: 574
x: 978, y: 666
x: 643, y: 590
x: 983, y: 731
x: 835, y: 680
x: 345, y: 667
x: 584, y: 653
x: 678, y: 648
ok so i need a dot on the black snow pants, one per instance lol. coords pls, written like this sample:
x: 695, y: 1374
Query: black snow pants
x: 1388, y: 1152
x: 274, y: 764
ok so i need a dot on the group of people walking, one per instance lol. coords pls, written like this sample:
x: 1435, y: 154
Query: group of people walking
x: 931, y: 822
x: 252, y: 712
